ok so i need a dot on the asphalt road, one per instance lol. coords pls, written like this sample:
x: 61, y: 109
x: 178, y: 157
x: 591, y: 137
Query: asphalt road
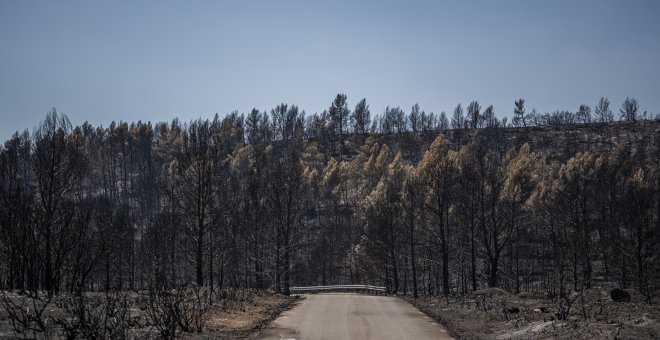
x: 354, y: 316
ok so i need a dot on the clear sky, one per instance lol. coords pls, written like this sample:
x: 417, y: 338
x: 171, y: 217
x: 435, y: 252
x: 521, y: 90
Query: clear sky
x: 155, y: 60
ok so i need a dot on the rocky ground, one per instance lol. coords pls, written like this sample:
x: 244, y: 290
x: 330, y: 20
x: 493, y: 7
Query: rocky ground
x: 234, y: 314
x: 496, y: 314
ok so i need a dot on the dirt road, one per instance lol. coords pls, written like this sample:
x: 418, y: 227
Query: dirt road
x: 354, y: 316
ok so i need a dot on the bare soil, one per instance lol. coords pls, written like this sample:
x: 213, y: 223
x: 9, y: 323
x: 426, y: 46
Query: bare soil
x: 496, y: 314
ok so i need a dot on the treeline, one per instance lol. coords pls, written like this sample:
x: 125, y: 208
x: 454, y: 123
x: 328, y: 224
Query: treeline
x: 271, y: 199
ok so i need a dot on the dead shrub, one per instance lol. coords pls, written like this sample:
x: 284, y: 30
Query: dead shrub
x: 26, y: 313
x: 185, y: 309
x: 97, y: 317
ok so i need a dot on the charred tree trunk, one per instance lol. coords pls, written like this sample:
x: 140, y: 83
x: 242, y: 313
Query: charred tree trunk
x: 412, y: 253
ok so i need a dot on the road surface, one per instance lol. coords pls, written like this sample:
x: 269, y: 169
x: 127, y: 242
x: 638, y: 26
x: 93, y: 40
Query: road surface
x: 354, y: 316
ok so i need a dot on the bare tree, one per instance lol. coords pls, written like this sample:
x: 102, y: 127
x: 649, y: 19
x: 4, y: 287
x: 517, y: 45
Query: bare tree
x: 603, y: 112
x: 361, y: 117
x: 473, y: 112
x: 519, y: 113
x: 192, y: 177
x: 414, y: 118
x: 584, y: 114
x: 629, y: 110
x: 57, y: 163
x: 339, y: 115
x: 457, y: 119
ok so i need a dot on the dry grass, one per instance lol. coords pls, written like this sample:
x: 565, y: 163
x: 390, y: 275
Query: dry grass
x: 244, y: 321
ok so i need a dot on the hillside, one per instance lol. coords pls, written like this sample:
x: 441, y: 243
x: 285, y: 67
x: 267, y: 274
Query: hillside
x: 548, y: 210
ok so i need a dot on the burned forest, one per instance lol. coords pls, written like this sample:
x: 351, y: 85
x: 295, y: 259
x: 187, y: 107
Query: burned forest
x: 179, y: 216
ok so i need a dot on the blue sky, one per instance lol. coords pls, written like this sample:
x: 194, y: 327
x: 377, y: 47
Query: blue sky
x: 155, y: 60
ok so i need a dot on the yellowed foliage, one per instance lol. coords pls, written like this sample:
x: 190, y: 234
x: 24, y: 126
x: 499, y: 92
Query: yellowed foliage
x: 582, y: 167
x: 310, y: 174
x: 383, y: 158
x: 638, y: 177
x: 379, y: 194
x: 437, y: 157
x: 523, y: 173
x: 242, y: 160
x: 370, y: 164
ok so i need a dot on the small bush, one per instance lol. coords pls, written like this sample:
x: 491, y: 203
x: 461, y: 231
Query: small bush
x: 101, y: 317
x: 185, y: 309
x: 27, y: 314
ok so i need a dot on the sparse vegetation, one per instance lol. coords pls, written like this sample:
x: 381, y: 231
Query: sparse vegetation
x: 188, y: 313
x: 489, y: 314
x: 105, y: 316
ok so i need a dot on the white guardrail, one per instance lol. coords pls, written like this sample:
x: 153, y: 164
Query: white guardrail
x: 339, y: 288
